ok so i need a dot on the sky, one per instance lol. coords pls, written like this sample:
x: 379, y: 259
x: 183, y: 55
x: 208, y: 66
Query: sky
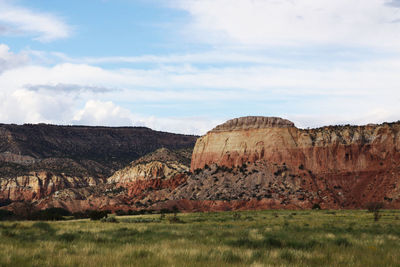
x: 185, y: 66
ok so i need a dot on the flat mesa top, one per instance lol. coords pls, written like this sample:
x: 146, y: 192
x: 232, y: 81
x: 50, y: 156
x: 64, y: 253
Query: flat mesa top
x: 253, y: 122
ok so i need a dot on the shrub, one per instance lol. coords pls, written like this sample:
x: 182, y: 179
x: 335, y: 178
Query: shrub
x: 43, y: 226
x: 121, y: 212
x: 197, y: 171
x: 110, y: 219
x: 342, y: 242
x: 374, y: 206
x: 80, y: 215
x: 316, y: 206
x: 50, y: 214
x: 175, y: 219
x: 236, y: 216
x: 6, y: 215
x: 5, y: 202
x: 96, y: 215
x: 164, y: 211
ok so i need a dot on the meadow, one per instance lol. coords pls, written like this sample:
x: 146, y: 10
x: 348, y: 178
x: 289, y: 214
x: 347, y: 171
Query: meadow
x: 247, y: 238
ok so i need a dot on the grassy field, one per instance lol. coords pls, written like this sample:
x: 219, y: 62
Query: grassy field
x: 251, y: 238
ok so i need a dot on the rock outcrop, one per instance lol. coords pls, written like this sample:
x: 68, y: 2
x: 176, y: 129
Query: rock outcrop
x: 245, y: 163
x: 161, y: 164
x: 37, y: 185
x: 139, y: 185
x: 345, y: 166
x: 38, y: 160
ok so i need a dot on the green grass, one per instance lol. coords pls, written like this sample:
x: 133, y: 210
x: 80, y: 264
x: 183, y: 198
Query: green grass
x: 250, y: 238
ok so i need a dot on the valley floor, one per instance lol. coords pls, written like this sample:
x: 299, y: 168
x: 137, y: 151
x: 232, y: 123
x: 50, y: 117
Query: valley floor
x: 249, y: 238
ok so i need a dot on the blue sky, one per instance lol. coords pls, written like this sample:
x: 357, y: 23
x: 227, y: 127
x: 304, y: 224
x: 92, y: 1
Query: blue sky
x: 186, y: 65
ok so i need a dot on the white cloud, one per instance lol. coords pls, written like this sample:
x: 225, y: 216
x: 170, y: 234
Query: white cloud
x: 103, y: 113
x: 294, y: 23
x: 15, y: 20
x: 107, y: 113
x: 69, y: 93
x: 9, y: 60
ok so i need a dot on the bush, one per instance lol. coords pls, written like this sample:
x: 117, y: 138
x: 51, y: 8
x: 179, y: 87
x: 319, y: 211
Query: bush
x: 236, y: 216
x: 316, y: 206
x: 42, y: 226
x: 80, y: 215
x: 197, y: 171
x: 5, y: 202
x: 50, y: 214
x: 110, y: 219
x: 6, y: 215
x: 121, y: 212
x: 165, y: 211
x: 175, y: 219
x: 374, y: 206
x: 96, y: 215
x: 343, y: 242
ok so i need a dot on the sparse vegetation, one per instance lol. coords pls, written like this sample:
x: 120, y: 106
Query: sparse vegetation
x: 51, y: 214
x: 6, y: 215
x: 95, y: 215
x: 316, y: 206
x: 240, y: 238
x: 375, y: 208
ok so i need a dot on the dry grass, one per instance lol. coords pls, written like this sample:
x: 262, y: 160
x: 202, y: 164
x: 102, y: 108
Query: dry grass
x: 257, y: 238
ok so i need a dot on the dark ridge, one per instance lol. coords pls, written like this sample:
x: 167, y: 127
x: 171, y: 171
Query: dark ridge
x: 94, y: 150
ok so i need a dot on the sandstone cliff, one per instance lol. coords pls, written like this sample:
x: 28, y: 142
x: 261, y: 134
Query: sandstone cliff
x: 161, y: 164
x: 139, y: 185
x: 245, y: 163
x: 345, y: 166
x: 38, y: 160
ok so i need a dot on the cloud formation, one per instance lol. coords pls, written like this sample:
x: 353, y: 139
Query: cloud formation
x: 294, y: 23
x: 265, y: 59
x: 44, y: 27
x: 9, y: 60
x: 62, y: 87
x: 71, y: 93
x: 393, y: 3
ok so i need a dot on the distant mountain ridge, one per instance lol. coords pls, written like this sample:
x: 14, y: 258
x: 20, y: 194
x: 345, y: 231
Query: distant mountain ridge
x: 99, y: 150
x: 37, y: 160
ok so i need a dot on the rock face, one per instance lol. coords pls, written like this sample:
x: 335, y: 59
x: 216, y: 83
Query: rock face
x: 37, y: 185
x: 245, y: 163
x: 139, y: 185
x: 347, y: 165
x: 161, y: 164
x: 39, y: 160
x: 253, y: 122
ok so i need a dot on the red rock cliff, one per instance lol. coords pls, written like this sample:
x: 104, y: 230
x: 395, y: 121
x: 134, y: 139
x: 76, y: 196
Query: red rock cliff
x: 327, y: 149
x: 363, y: 161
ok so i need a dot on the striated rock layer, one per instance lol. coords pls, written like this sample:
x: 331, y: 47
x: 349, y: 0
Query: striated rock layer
x: 37, y: 160
x: 362, y: 162
x: 139, y: 185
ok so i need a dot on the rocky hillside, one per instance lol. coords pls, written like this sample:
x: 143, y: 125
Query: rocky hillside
x: 245, y: 163
x: 161, y: 164
x: 38, y: 160
x: 339, y: 166
x: 139, y: 185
